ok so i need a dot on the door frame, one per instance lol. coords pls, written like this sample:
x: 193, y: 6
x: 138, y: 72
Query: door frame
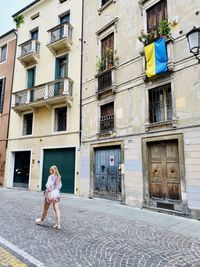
x: 42, y: 161
x: 92, y: 160
x: 145, y: 157
x: 11, y: 166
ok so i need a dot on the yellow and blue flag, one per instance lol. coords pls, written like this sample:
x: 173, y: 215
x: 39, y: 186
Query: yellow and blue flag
x: 156, y: 57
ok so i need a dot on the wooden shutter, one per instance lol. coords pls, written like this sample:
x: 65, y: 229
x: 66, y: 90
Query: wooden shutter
x: 155, y: 14
x: 2, y: 93
x: 107, y: 109
x: 107, y: 42
x: 31, y: 78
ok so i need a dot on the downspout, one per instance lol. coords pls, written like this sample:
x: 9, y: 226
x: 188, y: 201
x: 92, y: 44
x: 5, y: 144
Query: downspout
x: 81, y: 90
x: 81, y: 76
x: 11, y: 89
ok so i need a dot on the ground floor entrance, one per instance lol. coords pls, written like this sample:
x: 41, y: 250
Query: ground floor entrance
x: 64, y: 159
x: 163, y: 163
x: 107, y: 172
x: 21, y: 169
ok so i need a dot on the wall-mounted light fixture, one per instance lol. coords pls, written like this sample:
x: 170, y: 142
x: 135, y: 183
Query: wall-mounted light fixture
x: 193, y: 38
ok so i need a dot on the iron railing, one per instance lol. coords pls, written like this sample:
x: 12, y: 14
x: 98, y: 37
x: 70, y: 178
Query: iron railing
x: 59, y: 32
x: 44, y: 91
x: 107, y: 123
x: 29, y: 47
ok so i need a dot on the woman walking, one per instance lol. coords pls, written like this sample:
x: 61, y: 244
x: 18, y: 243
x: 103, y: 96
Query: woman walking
x: 52, y: 196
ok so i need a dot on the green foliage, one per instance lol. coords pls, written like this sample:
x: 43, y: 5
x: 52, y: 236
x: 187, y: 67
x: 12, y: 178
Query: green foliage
x: 100, y: 65
x: 18, y: 21
x: 164, y: 29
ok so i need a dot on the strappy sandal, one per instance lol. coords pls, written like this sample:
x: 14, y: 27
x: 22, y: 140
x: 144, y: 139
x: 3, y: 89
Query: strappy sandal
x: 38, y: 221
x: 58, y: 227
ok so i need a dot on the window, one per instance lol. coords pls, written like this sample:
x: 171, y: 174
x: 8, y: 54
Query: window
x: 155, y: 14
x: 34, y: 34
x: 62, y: 1
x: 61, y: 69
x: 107, y: 117
x: 160, y: 104
x: 35, y: 16
x: 103, y: 2
x: 2, y: 92
x: 3, y: 53
x: 31, y: 77
x: 60, y: 123
x: 107, y: 51
x: 28, y: 124
x: 65, y: 18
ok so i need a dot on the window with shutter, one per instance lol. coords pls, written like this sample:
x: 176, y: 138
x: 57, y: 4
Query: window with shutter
x: 2, y: 93
x: 107, y: 117
x: 155, y: 14
x: 107, y: 51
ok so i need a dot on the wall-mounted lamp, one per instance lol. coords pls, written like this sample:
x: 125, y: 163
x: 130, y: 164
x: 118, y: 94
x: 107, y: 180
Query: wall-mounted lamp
x: 193, y: 38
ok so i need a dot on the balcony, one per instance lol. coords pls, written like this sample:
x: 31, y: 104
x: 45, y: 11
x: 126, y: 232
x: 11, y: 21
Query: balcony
x: 47, y: 94
x: 29, y: 53
x: 60, y: 39
x: 107, y: 123
x: 106, y: 82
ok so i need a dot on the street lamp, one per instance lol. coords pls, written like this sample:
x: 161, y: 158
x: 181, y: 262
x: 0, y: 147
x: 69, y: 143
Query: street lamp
x: 193, y: 38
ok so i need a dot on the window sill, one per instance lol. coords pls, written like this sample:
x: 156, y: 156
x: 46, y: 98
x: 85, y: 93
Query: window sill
x: 106, y: 5
x: 59, y: 132
x: 110, y: 133
x: 160, y: 125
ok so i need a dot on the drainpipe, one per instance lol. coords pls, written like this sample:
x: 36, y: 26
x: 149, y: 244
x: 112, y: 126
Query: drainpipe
x: 14, y: 31
x: 81, y: 90
x: 81, y: 76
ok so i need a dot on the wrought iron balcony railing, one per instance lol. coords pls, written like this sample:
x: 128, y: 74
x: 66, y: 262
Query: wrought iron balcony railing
x: 106, y: 80
x: 43, y: 94
x: 106, y: 123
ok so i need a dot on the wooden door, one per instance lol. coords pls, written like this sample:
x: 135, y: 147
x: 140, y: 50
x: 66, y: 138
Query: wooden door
x: 107, y: 175
x: 164, y: 174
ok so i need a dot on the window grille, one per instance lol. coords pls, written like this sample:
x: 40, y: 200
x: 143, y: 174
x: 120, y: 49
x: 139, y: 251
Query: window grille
x: 28, y: 124
x: 107, y: 117
x: 160, y: 104
x: 60, y: 119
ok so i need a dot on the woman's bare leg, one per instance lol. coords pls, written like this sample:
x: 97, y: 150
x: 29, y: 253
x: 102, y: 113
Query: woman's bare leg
x: 56, y: 207
x: 45, y: 210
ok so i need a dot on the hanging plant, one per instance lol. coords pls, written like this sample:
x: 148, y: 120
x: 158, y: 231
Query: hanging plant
x: 19, y: 20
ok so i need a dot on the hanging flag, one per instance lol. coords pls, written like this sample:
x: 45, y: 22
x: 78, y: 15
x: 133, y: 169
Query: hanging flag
x: 156, y: 57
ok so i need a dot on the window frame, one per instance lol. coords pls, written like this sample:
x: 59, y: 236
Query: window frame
x: 165, y: 111
x: 100, y: 116
x: 1, y: 48
x: 23, y: 121
x: 104, y: 6
x: 2, y: 93
x: 53, y: 119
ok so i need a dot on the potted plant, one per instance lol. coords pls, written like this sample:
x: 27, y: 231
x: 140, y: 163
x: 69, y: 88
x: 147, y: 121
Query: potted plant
x: 19, y: 20
x: 146, y: 38
x: 100, y: 65
x: 109, y: 57
x: 164, y: 28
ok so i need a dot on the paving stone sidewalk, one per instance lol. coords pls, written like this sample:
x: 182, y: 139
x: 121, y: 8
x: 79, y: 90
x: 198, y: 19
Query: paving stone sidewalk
x: 98, y: 233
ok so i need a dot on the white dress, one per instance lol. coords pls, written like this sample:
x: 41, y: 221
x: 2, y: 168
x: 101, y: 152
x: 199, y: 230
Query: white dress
x: 53, y: 185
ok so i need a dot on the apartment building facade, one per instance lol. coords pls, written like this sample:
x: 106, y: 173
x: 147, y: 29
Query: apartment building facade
x: 7, y: 57
x: 44, y: 122
x: 140, y: 135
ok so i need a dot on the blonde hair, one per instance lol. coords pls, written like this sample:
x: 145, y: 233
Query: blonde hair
x: 56, y: 172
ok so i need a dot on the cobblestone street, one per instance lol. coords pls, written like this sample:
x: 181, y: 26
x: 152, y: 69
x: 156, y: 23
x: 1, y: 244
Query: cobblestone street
x: 92, y: 237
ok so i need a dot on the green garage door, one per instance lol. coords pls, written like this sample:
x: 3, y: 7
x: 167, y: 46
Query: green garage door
x: 64, y: 159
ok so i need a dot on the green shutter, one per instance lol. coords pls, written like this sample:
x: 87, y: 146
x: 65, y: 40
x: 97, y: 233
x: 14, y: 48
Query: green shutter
x: 31, y: 78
